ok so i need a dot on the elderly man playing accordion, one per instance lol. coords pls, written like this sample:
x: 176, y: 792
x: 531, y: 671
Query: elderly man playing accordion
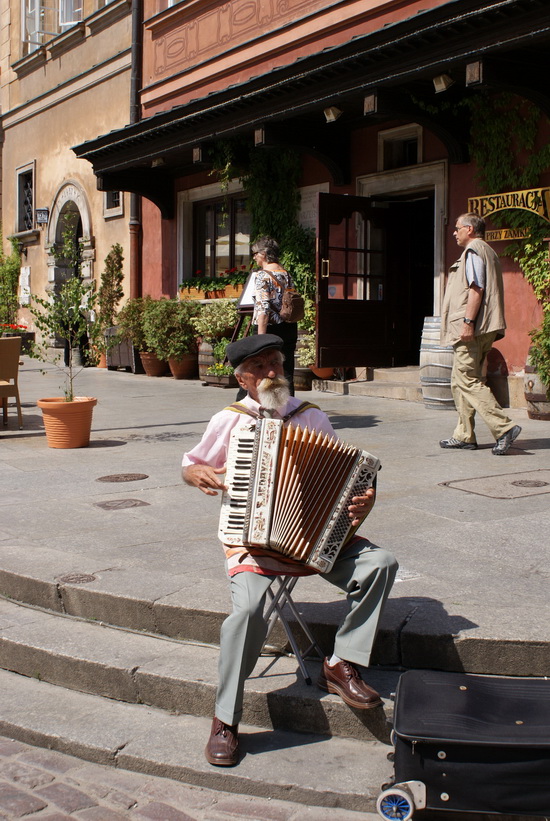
x: 363, y: 571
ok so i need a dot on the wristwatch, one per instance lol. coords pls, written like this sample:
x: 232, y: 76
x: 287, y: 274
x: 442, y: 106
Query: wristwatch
x: 469, y: 321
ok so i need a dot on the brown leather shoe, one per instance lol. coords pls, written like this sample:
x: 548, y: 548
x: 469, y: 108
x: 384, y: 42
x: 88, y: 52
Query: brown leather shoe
x: 344, y: 680
x: 222, y: 749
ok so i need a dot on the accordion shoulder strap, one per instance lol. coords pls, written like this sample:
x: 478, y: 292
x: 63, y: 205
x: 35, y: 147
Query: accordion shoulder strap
x: 238, y: 407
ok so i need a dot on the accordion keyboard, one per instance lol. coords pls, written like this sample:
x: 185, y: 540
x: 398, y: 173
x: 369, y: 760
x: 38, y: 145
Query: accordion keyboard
x: 238, y: 481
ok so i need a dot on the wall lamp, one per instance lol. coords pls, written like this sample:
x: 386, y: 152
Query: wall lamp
x: 442, y: 82
x: 474, y: 73
x: 332, y: 113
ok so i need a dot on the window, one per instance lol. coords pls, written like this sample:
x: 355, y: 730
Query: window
x: 113, y: 204
x: 399, y: 147
x: 38, y: 24
x: 25, y: 200
x: 222, y: 236
x: 44, y: 19
x: 70, y: 13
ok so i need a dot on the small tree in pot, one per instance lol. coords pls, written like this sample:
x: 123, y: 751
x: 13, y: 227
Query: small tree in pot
x: 64, y: 315
x: 109, y: 295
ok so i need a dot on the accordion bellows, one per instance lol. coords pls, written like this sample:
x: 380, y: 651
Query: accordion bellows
x: 289, y: 489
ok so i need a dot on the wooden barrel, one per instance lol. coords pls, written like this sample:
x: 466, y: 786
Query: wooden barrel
x: 538, y: 403
x: 436, y: 362
x: 206, y: 359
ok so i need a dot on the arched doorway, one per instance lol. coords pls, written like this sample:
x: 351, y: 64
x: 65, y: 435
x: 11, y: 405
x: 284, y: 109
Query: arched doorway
x: 70, y: 213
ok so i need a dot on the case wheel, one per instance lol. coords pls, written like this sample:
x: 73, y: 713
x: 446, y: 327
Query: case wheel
x: 395, y: 804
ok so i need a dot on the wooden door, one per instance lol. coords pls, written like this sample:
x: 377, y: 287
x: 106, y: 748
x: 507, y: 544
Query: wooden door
x: 363, y: 282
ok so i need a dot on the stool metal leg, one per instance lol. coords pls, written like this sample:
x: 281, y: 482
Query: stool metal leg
x: 274, y: 611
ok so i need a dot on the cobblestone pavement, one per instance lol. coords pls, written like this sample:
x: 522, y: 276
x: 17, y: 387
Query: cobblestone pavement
x: 43, y: 784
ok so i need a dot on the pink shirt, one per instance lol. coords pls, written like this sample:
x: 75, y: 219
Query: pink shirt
x: 212, y: 450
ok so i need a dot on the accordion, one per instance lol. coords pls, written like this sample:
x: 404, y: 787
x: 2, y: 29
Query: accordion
x: 288, y: 491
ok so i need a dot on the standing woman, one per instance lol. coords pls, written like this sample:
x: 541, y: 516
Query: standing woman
x: 269, y: 287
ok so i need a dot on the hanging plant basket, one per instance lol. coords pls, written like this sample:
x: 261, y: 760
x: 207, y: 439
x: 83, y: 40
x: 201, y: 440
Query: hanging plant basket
x: 67, y: 424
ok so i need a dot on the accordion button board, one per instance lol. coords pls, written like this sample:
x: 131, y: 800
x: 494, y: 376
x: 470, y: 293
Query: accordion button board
x: 288, y: 491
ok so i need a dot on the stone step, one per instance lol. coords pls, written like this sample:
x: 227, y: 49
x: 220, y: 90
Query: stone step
x: 310, y: 769
x: 176, y: 676
x: 414, y: 632
x: 409, y: 374
x: 387, y: 390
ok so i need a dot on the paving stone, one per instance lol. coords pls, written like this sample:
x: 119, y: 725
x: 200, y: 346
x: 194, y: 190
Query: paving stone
x: 156, y: 811
x: 102, y: 814
x: 19, y: 803
x: 26, y: 776
x: 179, y: 794
x: 236, y: 807
x: 49, y: 760
x: 56, y: 817
x: 66, y: 797
x: 9, y: 747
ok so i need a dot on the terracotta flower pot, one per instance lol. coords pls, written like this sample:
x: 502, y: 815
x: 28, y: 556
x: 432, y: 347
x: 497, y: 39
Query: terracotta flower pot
x: 536, y: 397
x: 186, y: 367
x: 67, y: 424
x: 322, y: 373
x: 152, y: 365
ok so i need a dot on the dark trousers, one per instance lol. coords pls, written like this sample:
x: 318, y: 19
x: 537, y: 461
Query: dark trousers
x: 288, y: 332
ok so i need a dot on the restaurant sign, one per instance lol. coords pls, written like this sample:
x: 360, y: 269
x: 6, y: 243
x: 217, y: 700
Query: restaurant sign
x: 534, y: 200
x: 506, y: 234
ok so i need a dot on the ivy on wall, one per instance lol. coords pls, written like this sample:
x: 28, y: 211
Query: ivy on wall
x: 270, y: 177
x: 503, y: 145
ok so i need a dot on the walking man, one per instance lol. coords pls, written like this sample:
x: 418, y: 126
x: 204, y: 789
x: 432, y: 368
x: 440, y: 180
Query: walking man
x: 471, y: 319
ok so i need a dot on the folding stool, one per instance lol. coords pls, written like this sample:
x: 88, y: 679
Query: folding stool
x: 274, y: 611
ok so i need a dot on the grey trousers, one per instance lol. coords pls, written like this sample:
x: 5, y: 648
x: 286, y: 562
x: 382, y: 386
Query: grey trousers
x: 364, y: 572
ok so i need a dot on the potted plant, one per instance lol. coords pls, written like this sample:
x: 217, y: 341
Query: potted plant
x: 108, y: 297
x: 129, y: 336
x: 219, y: 373
x: 169, y: 333
x: 216, y: 321
x: 229, y: 284
x: 537, y: 372
x: 306, y: 356
x: 67, y: 419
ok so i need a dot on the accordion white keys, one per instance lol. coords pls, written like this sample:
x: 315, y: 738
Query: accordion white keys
x: 288, y: 491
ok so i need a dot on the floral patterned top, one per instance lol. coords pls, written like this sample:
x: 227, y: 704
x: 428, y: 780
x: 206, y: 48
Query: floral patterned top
x: 269, y: 287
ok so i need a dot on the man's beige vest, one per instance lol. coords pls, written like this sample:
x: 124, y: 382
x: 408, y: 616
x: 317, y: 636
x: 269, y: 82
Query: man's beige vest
x: 491, y: 312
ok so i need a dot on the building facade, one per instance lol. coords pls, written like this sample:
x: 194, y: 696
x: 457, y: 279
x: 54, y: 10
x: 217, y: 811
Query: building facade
x: 381, y: 101
x: 65, y: 77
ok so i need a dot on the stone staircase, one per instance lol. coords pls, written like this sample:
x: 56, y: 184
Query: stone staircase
x: 386, y: 383
x: 143, y: 701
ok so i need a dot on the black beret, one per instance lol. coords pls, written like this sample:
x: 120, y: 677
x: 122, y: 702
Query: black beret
x: 240, y: 350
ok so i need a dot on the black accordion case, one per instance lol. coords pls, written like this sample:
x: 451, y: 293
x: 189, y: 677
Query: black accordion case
x: 477, y: 743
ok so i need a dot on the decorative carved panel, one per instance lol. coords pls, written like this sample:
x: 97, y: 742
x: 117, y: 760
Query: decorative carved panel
x: 190, y: 41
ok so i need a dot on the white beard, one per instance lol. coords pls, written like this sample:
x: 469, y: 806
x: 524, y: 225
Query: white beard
x: 273, y: 393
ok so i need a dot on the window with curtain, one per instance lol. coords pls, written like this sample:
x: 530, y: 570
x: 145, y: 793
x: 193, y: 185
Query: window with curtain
x: 222, y: 236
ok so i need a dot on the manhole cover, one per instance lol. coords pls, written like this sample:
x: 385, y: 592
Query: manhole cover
x: 77, y: 578
x: 123, y: 477
x: 507, y: 485
x: 120, y: 504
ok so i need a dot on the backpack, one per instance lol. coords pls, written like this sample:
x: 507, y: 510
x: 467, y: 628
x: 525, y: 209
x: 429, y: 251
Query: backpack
x: 292, y: 308
x: 292, y: 305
